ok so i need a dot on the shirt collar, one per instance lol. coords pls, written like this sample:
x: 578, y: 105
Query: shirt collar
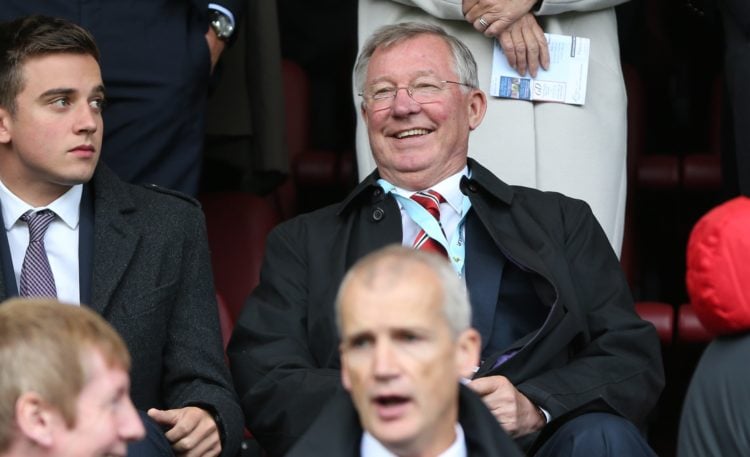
x: 371, y: 447
x: 66, y: 207
x: 449, y: 188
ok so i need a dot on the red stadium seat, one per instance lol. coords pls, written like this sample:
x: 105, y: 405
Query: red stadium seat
x: 237, y: 224
x: 689, y: 327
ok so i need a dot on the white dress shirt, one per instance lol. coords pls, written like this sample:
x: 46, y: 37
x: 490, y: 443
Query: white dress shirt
x: 450, y: 210
x: 60, y: 240
x: 371, y: 447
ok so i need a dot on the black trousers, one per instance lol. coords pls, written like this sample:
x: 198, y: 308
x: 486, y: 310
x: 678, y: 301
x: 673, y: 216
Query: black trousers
x: 596, y: 435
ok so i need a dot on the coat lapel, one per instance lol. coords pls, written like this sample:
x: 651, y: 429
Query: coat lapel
x: 335, y: 432
x: 115, y: 241
x: 518, y: 236
x: 86, y: 244
x: 484, y: 270
x: 8, y: 286
x: 528, y: 249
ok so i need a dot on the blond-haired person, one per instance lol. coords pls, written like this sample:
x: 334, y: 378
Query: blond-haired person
x: 64, y: 385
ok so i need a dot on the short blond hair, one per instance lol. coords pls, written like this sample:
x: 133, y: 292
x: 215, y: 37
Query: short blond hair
x: 393, y: 263
x: 44, y: 348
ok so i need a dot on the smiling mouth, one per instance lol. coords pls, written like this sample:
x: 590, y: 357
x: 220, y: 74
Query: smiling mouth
x: 412, y: 133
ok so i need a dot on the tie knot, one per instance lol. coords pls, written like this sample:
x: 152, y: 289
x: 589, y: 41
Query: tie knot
x: 429, y: 200
x: 38, y: 223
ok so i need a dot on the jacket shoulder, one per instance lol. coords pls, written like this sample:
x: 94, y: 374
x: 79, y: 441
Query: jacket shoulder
x: 322, y: 218
x: 170, y: 193
x: 545, y: 197
x: 492, y: 189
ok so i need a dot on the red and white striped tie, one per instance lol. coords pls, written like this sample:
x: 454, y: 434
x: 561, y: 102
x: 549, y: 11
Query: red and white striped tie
x: 429, y: 200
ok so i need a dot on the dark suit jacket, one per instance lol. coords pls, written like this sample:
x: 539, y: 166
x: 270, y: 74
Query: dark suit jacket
x: 150, y: 277
x: 592, y: 352
x: 736, y: 16
x: 338, y: 432
x: 155, y: 65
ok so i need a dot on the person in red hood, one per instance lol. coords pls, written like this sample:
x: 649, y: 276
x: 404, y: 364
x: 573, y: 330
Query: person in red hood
x: 715, y: 417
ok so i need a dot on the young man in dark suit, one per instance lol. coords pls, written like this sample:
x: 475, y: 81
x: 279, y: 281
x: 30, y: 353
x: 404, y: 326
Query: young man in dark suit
x: 136, y: 255
x: 568, y: 367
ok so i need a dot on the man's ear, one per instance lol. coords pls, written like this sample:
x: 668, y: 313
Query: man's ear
x: 468, y: 347
x: 5, y: 125
x: 36, y: 420
x: 345, y: 371
x: 363, y: 111
x: 477, y: 108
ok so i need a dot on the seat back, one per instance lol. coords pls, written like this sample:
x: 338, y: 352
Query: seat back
x: 237, y: 224
x: 226, y: 323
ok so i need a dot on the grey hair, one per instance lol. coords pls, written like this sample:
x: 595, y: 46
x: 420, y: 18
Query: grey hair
x: 392, y: 263
x: 389, y: 35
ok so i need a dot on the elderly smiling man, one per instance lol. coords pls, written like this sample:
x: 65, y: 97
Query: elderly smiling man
x: 567, y: 366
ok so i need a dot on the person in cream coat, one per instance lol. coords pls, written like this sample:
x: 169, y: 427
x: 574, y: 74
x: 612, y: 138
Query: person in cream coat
x: 579, y: 151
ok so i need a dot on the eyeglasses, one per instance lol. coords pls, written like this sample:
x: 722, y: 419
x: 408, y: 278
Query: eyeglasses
x: 382, y: 97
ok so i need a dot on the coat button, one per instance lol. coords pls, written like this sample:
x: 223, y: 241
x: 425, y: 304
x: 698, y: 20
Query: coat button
x: 377, y: 192
x: 378, y: 214
x: 472, y: 187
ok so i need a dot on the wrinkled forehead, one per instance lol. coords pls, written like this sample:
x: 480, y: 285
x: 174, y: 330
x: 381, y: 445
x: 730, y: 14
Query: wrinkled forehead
x: 424, y: 54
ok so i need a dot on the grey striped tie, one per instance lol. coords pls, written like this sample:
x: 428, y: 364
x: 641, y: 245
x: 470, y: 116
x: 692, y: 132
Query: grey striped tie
x: 36, y: 274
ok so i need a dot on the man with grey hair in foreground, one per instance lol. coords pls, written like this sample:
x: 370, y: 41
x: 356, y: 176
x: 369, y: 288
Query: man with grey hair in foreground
x: 406, y: 343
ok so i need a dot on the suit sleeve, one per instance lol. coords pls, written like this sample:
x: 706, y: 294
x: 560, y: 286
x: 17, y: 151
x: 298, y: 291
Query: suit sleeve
x: 195, y: 371
x: 280, y: 383
x: 615, y: 363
